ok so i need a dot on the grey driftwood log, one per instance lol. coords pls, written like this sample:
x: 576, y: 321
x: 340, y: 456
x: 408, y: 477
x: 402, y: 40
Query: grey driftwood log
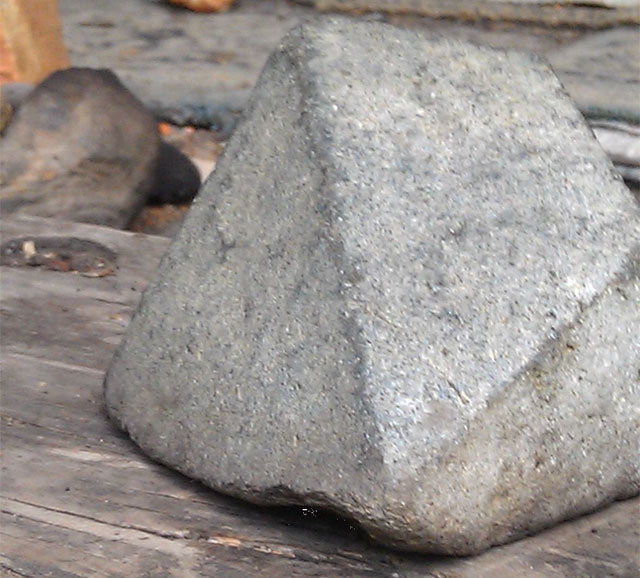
x: 409, y: 293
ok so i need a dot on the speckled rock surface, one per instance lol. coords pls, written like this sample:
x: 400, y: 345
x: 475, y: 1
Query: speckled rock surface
x: 409, y: 293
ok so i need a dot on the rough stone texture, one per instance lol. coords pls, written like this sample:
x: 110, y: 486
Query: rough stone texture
x: 80, y: 147
x: 409, y: 293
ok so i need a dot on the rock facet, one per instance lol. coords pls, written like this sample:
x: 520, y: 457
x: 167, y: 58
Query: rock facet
x: 409, y: 293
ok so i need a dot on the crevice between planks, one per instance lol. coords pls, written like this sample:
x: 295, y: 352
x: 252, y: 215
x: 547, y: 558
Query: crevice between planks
x: 54, y: 363
x: 5, y: 567
x: 171, y: 542
x: 163, y: 541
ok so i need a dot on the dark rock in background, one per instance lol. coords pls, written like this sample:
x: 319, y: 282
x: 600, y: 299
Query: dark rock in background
x: 80, y: 147
x: 177, y: 180
x: 14, y: 93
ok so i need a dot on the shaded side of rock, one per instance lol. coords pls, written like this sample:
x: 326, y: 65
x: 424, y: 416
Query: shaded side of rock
x: 416, y: 301
x: 80, y: 147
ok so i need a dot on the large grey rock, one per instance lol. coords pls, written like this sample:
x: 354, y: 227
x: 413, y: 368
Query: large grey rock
x: 409, y: 293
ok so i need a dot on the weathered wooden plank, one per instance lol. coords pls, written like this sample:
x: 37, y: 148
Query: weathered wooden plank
x: 74, y: 330
x: 89, y: 481
x: 218, y: 549
x: 66, y: 316
x: 79, y: 499
x: 40, y: 542
x: 594, y: 14
x: 137, y: 254
x: 54, y: 422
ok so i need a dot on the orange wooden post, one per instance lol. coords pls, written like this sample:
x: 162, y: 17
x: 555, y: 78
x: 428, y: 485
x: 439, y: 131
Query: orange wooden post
x: 31, y: 43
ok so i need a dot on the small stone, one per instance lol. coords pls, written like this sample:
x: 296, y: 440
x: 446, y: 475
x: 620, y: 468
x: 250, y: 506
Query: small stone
x: 59, y: 254
x: 428, y: 323
x: 177, y: 179
x: 80, y: 147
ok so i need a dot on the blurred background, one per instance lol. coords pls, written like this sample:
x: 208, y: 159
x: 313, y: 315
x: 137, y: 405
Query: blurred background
x: 193, y: 63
